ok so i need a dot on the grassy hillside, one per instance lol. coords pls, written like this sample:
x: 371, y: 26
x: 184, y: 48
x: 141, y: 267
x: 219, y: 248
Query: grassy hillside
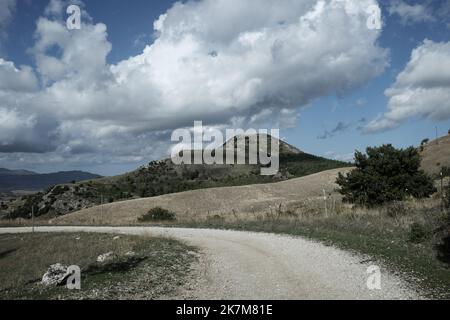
x: 436, y: 155
x: 296, y: 195
x: 164, y: 177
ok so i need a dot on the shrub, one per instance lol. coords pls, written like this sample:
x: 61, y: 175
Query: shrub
x: 395, y: 209
x: 385, y: 174
x: 445, y: 171
x: 216, y: 219
x: 417, y: 233
x: 158, y: 214
x: 447, y: 197
x: 424, y: 141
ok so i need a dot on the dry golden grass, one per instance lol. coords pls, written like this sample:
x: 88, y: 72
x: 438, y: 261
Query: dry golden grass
x: 228, y: 202
x: 435, y: 155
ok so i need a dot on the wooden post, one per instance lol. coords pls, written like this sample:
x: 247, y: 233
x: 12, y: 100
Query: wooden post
x: 101, y: 209
x: 325, y: 201
x: 442, y: 191
x: 32, y: 219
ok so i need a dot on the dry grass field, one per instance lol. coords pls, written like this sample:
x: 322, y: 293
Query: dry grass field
x: 228, y: 202
x: 436, y: 154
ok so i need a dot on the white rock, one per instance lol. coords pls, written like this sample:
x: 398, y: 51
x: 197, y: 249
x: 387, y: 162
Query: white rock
x: 55, y: 274
x: 116, y: 238
x: 106, y: 257
x: 130, y: 253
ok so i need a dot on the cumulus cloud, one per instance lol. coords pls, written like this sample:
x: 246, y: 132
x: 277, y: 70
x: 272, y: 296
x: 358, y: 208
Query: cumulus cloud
x: 13, y: 79
x: 410, y: 14
x: 222, y: 62
x: 25, y: 133
x: 421, y: 89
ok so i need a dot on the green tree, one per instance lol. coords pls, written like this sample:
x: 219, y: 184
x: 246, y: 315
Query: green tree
x: 385, y: 174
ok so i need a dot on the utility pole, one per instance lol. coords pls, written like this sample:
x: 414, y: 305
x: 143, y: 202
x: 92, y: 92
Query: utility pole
x: 442, y: 191
x: 325, y: 201
x: 32, y: 219
x: 101, y: 209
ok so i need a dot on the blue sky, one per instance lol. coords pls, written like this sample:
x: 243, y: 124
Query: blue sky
x: 332, y: 122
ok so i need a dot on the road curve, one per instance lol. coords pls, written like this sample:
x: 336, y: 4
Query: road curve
x: 246, y: 265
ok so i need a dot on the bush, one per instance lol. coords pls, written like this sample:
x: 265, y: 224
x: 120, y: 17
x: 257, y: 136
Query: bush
x: 158, y: 214
x: 385, y: 174
x: 417, y: 233
x: 447, y: 197
x: 396, y: 209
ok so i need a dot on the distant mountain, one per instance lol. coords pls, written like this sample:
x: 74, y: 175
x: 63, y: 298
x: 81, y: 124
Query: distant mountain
x: 11, y: 180
x: 4, y: 171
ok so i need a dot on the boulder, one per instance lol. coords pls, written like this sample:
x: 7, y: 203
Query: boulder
x: 56, y: 275
x: 106, y: 257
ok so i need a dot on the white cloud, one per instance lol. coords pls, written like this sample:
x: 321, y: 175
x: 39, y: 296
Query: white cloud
x: 13, y: 79
x: 421, y: 89
x: 220, y: 61
x: 347, y: 157
x: 410, y: 14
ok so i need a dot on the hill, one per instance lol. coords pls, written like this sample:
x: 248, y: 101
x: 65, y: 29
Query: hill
x: 164, y: 177
x: 299, y: 193
x: 11, y: 180
x: 436, y: 155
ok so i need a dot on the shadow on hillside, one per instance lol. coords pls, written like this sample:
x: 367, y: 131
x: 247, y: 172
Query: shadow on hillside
x: 443, y: 250
x: 116, y: 266
x: 6, y: 253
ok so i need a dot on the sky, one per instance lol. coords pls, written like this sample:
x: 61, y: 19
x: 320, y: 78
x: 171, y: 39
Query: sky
x: 106, y: 97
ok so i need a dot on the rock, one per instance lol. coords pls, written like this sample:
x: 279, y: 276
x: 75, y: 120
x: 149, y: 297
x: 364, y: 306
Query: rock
x: 106, y: 257
x: 116, y: 238
x: 55, y: 275
x: 130, y: 254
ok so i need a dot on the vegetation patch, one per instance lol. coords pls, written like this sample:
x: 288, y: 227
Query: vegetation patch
x: 385, y: 174
x: 157, y: 214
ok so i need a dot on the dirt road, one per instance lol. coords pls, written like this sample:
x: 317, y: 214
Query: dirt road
x: 245, y: 265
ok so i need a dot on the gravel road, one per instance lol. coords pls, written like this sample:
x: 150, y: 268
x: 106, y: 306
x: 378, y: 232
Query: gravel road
x: 246, y: 265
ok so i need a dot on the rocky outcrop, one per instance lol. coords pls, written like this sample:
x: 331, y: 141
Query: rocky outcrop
x: 56, y: 275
